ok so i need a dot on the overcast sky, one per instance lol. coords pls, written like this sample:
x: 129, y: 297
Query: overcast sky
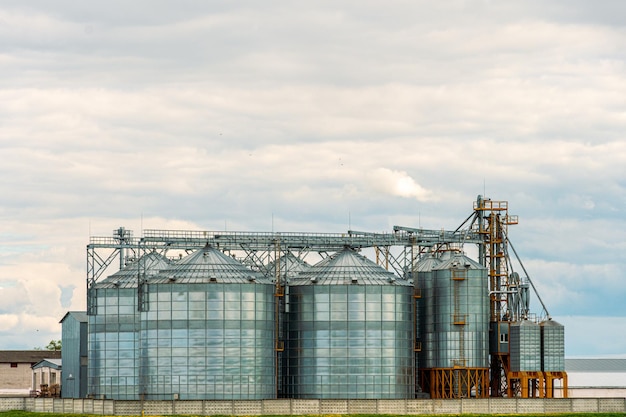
x: 313, y: 116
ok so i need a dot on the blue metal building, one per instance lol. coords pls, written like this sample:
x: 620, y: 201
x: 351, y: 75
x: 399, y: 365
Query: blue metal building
x: 74, y: 354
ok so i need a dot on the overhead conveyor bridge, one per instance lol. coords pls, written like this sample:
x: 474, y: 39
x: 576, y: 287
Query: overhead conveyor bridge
x: 395, y: 250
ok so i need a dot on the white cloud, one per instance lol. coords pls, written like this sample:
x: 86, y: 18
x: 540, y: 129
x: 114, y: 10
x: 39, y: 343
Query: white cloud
x: 8, y: 322
x: 309, y: 117
x: 398, y: 183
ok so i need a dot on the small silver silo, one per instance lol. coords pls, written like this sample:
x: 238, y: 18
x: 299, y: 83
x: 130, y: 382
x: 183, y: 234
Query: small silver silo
x: 525, y: 346
x: 552, y: 346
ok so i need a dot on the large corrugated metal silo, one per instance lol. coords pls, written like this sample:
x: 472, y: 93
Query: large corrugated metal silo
x: 286, y: 267
x: 208, y: 332
x: 426, y: 317
x: 114, y: 329
x: 350, y: 331
x: 459, y: 364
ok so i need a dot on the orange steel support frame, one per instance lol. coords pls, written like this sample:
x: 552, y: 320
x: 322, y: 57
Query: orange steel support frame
x: 459, y: 382
x: 493, y: 226
x: 549, y: 385
x: 527, y: 384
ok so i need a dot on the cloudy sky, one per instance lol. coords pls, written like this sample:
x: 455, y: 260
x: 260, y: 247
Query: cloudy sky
x: 313, y: 116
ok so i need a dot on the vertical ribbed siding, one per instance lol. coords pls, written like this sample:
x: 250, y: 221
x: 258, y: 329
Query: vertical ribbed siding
x: 350, y: 342
x: 209, y: 341
x: 113, y: 332
x: 426, y: 313
x: 461, y: 322
x: 552, y: 346
x: 525, y: 345
x: 74, y: 337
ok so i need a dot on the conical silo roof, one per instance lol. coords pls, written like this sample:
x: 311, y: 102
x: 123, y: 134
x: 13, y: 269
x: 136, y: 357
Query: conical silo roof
x: 209, y: 265
x: 550, y: 323
x: 290, y: 265
x: 459, y: 260
x: 427, y: 264
x: 347, y: 267
x: 126, y: 277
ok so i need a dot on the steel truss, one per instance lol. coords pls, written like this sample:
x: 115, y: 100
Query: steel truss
x: 507, y: 301
x: 461, y: 382
x: 398, y: 251
x: 259, y: 250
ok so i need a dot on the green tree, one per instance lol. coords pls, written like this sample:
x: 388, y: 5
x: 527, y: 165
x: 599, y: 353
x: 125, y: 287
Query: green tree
x: 54, y: 345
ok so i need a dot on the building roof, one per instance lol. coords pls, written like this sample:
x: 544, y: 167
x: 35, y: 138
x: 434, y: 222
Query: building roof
x: 596, y: 372
x: 79, y: 316
x: 28, y: 356
x: 595, y: 365
x: 48, y: 363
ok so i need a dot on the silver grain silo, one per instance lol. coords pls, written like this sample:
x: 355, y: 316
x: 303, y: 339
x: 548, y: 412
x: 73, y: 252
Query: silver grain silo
x: 350, y: 331
x: 208, y: 332
x: 286, y: 267
x: 426, y: 318
x: 423, y: 282
x: 525, y: 346
x: 525, y: 377
x: 552, y: 346
x: 114, y: 329
x: 553, y: 355
x: 459, y: 365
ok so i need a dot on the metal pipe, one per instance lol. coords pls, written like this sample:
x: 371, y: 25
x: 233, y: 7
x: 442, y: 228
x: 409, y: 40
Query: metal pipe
x: 502, y: 292
x: 529, y: 280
